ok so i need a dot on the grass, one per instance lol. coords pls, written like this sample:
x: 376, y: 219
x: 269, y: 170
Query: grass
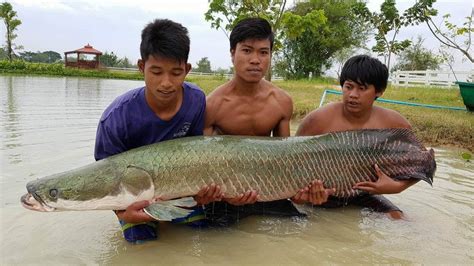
x: 436, y: 127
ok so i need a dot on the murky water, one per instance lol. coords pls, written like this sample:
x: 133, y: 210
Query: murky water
x: 47, y: 125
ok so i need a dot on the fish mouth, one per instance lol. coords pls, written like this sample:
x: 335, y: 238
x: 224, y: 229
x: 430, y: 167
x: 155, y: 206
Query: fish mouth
x: 30, y: 202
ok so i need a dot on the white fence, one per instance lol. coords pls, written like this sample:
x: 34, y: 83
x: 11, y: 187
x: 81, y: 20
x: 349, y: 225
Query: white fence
x: 430, y: 77
x: 226, y: 75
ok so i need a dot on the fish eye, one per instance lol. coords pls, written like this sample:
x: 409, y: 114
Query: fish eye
x: 53, y: 193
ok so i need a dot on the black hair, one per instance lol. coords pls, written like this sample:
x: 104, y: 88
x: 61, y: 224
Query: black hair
x: 365, y: 70
x: 251, y: 28
x: 165, y: 38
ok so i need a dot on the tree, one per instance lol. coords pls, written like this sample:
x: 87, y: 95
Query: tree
x: 109, y: 59
x: 416, y: 57
x: 3, y: 54
x: 312, y: 51
x: 40, y: 57
x: 387, y: 21
x: 203, y: 66
x: 125, y: 62
x: 341, y: 56
x: 52, y: 56
x: 11, y: 23
x: 424, y: 12
x: 224, y: 14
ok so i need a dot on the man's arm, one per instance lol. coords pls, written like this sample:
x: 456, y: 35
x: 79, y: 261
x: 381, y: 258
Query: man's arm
x: 197, y: 126
x: 210, y: 116
x: 107, y: 141
x: 311, y: 124
x: 282, y: 129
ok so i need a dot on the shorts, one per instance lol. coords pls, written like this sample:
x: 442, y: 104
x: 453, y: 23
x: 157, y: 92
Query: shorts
x: 377, y: 203
x: 141, y: 232
x: 222, y: 214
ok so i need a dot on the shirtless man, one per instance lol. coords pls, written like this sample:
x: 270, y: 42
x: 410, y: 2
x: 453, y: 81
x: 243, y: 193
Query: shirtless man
x: 362, y: 79
x: 250, y: 105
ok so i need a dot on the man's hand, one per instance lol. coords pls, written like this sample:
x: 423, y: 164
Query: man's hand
x: 208, y: 194
x: 314, y: 193
x: 384, y: 184
x: 249, y: 197
x: 134, y: 213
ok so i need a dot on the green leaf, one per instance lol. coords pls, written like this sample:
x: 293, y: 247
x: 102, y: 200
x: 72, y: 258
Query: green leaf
x: 466, y: 156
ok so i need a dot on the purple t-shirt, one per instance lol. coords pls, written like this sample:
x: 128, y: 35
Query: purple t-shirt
x: 129, y: 122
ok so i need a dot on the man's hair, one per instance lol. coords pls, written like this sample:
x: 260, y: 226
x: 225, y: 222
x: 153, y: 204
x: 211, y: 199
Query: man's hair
x: 365, y: 70
x: 165, y: 38
x: 251, y: 28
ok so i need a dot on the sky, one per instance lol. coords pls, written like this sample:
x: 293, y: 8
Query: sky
x: 115, y: 26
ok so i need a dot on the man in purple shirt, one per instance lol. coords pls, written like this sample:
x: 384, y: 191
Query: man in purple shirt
x: 166, y: 108
x: 129, y: 122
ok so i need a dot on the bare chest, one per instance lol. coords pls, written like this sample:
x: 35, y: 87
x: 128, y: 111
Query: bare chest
x: 248, y: 118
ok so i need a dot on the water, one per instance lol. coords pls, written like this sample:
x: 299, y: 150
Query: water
x: 47, y: 125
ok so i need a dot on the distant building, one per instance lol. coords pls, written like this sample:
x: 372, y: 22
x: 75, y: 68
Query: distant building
x: 81, y: 60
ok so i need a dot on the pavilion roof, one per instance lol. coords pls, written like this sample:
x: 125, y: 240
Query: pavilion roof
x: 87, y: 49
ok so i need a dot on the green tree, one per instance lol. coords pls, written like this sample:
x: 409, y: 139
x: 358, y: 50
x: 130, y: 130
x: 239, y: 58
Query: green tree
x: 203, y: 66
x: 341, y: 56
x: 11, y: 23
x: 387, y: 22
x: 41, y: 57
x: 312, y: 51
x: 224, y: 14
x: 109, y: 59
x: 52, y: 56
x: 423, y: 11
x: 416, y: 57
x: 125, y: 62
x: 3, y: 54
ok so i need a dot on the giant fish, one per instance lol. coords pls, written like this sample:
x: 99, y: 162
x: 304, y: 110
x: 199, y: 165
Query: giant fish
x: 275, y: 167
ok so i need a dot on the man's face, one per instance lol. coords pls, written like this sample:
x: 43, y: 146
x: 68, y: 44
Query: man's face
x: 251, y: 59
x: 358, y: 98
x: 164, y: 78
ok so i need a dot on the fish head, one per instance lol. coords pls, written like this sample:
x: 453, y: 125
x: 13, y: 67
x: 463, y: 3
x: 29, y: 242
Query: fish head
x: 38, y: 195
x: 78, y: 189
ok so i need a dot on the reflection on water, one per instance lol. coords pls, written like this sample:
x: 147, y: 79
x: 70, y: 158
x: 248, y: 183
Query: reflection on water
x: 10, y: 124
x: 48, y: 125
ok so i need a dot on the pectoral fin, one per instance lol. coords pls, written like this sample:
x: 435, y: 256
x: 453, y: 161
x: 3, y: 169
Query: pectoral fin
x: 136, y: 180
x: 170, y: 209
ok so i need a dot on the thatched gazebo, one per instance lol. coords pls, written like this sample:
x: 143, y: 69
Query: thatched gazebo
x: 80, y: 62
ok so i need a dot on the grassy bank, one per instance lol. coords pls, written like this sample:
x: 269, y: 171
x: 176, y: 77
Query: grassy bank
x: 19, y: 67
x: 436, y: 127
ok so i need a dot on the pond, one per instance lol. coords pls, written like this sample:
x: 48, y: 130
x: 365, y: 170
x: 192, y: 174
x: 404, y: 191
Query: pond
x: 47, y: 125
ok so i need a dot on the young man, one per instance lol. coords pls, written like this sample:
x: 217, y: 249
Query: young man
x: 362, y: 79
x: 166, y: 108
x: 250, y: 105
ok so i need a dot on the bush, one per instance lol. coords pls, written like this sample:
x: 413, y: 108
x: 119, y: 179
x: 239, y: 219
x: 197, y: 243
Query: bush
x: 58, y: 69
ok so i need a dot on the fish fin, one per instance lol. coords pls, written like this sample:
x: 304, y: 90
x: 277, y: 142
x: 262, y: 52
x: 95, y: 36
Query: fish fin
x: 170, y: 209
x: 416, y: 176
x: 136, y: 179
